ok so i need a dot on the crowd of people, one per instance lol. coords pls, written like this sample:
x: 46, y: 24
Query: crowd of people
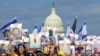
x: 49, y: 50
x: 21, y: 50
x: 48, y: 47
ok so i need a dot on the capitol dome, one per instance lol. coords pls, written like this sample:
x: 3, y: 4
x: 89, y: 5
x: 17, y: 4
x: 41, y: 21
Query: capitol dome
x: 54, y: 20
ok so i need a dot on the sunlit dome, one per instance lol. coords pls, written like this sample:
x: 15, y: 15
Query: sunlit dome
x: 55, y: 21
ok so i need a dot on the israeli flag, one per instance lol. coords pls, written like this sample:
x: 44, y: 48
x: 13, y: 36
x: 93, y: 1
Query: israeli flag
x: 5, y: 30
x: 41, y: 28
x: 83, y: 32
x: 35, y: 29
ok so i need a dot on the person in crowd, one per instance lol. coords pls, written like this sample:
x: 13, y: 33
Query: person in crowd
x: 60, y: 52
x: 20, y: 52
x: 2, y: 48
x: 55, y: 50
x: 14, y: 49
x: 32, y: 52
x: 78, y: 54
x: 95, y: 52
x: 79, y: 48
x: 3, y: 54
x: 51, y: 47
x: 45, y: 51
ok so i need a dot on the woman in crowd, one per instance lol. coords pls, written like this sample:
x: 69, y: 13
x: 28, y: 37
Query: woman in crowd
x: 61, y: 53
x: 20, y: 52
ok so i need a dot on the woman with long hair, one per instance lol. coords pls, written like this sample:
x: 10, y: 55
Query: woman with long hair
x: 21, y: 50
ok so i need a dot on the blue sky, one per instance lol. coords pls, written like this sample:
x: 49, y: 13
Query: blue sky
x: 31, y: 12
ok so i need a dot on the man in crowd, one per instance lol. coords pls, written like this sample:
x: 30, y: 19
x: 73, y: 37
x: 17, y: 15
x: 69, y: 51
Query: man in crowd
x: 2, y: 48
x: 3, y: 54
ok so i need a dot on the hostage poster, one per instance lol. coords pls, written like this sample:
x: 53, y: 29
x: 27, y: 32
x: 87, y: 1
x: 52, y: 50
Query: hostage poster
x: 16, y: 31
x: 35, y: 41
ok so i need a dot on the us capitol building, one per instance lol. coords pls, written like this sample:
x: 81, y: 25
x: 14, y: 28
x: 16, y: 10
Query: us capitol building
x: 54, y: 20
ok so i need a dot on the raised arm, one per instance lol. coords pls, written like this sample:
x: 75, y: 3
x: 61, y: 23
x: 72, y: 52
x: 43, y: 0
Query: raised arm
x: 11, y: 49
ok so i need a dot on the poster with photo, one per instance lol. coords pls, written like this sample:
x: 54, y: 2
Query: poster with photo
x: 25, y: 39
x: 51, y: 30
x: 16, y: 30
x: 35, y: 41
x: 25, y: 36
x: 60, y: 37
x: 44, y: 40
x: 25, y: 32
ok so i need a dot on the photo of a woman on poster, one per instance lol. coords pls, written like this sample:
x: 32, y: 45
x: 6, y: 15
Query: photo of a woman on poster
x: 15, y: 32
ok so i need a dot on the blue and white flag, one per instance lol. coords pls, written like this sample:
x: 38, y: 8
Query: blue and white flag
x: 6, y: 28
x: 41, y: 28
x: 35, y: 29
x: 83, y: 32
x: 74, y: 25
x: 68, y: 30
x: 9, y: 23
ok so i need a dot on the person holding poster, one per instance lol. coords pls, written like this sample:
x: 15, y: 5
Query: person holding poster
x: 20, y: 52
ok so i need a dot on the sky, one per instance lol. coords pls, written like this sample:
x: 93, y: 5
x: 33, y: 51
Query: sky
x: 31, y: 12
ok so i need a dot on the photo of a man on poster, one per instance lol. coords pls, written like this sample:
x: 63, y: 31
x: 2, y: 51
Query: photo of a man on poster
x: 51, y: 34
